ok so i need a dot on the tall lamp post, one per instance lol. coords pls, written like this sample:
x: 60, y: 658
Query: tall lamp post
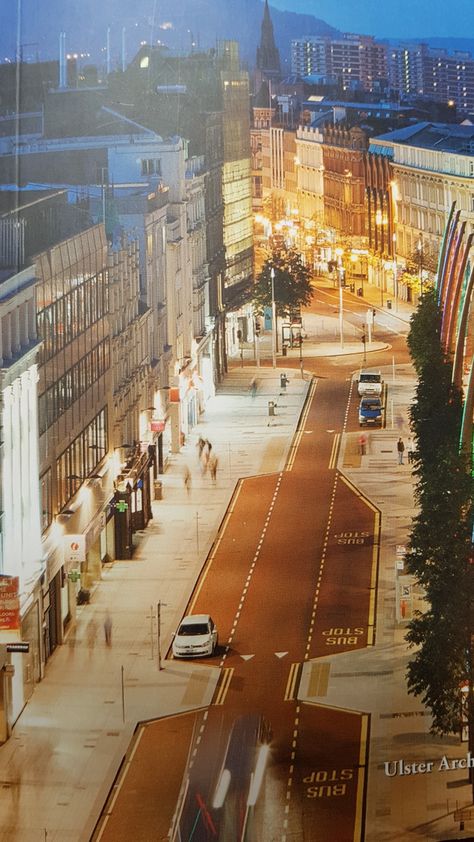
x: 395, y: 273
x: 420, y: 257
x: 272, y: 276
x: 340, y: 275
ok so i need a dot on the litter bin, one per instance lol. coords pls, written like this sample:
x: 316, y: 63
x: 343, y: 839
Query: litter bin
x: 271, y: 407
x: 389, y: 305
x: 283, y: 381
x: 359, y: 292
x: 158, y: 487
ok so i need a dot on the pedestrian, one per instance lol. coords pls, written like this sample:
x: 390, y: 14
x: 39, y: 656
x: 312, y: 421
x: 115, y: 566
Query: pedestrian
x: 208, y: 447
x: 400, y: 449
x: 362, y: 444
x: 91, y: 634
x: 253, y: 386
x: 200, y: 447
x: 108, y: 629
x: 410, y: 449
x: 213, y: 463
x: 187, y: 478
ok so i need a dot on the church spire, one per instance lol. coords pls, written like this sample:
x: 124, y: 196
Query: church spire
x: 268, y: 57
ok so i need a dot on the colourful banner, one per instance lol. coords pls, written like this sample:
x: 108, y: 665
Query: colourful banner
x: 9, y: 603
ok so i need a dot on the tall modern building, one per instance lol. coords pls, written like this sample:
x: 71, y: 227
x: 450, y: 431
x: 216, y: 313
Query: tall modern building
x: 432, y: 73
x: 352, y: 61
x: 236, y: 178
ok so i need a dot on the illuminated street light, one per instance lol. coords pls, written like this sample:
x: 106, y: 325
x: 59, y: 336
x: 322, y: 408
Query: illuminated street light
x: 272, y: 276
x: 340, y: 274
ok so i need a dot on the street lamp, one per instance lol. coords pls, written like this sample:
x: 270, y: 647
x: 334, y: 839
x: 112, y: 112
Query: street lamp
x: 272, y: 276
x: 395, y: 273
x: 420, y: 257
x: 340, y: 273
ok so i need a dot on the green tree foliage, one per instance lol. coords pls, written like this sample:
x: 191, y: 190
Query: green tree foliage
x: 440, y: 541
x: 292, y: 282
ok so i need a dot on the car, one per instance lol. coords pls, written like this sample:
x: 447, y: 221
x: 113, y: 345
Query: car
x: 370, y: 383
x: 196, y: 637
x: 370, y: 411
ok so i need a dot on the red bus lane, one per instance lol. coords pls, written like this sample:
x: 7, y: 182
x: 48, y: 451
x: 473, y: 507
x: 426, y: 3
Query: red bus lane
x: 345, y: 601
x: 329, y: 775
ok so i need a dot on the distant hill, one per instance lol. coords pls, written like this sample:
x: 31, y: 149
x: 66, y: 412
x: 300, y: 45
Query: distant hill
x: 177, y: 24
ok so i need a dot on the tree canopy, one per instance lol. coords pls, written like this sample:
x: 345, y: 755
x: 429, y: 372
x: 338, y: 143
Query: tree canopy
x: 292, y: 282
x: 440, y: 546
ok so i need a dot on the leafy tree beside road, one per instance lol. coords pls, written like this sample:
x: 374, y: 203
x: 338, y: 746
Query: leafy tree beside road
x: 292, y: 282
x: 440, y: 548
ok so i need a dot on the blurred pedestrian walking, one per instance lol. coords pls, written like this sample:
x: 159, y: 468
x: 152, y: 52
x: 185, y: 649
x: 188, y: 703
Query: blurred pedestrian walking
x: 200, y: 447
x: 91, y: 634
x: 213, y: 464
x: 108, y: 629
x: 410, y: 449
x: 400, y: 450
x: 187, y: 479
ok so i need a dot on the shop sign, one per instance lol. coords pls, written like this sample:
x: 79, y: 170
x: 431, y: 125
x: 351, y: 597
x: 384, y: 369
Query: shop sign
x: 157, y: 426
x: 9, y: 603
x: 18, y: 647
x: 74, y: 549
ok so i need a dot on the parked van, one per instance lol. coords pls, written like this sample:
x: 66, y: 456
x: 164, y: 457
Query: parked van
x: 370, y: 383
x: 370, y: 411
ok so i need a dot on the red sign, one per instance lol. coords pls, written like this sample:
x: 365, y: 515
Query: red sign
x: 9, y: 603
x: 157, y: 426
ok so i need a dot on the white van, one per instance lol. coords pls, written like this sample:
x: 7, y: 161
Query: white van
x: 370, y: 383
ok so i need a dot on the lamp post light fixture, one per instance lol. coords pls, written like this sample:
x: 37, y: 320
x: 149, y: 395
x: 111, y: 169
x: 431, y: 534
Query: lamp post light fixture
x: 395, y: 273
x: 340, y: 271
x: 420, y: 258
x: 272, y: 276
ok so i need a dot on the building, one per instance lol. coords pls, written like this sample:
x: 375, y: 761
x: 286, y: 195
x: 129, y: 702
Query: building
x: 353, y: 61
x: 432, y: 166
x: 344, y: 182
x: 434, y: 74
x: 22, y: 566
x: 310, y: 182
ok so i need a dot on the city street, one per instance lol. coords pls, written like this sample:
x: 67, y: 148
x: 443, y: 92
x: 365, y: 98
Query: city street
x: 291, y: 580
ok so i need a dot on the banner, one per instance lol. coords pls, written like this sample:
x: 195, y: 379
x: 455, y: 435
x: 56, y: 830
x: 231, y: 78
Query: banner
x: 9, y: 604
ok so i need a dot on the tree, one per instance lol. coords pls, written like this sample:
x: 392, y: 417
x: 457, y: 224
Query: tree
x: 440, y: 547
x: 292, y: 282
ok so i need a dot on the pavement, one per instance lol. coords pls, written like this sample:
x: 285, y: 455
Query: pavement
x: 70, y: 740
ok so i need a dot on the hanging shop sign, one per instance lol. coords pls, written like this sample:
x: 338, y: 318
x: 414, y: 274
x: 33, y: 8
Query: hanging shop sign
x: 74, y: 549
x: 9, y: 605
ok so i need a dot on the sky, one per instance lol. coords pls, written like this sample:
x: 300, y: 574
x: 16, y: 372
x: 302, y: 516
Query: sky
x: 398, y: 19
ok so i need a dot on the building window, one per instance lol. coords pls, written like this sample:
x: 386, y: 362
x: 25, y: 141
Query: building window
x: 46, y: 500
x: 151, y: 166
x: 81, y: 458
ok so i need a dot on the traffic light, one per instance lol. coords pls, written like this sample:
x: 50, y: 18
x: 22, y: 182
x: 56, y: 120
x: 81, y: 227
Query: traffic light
x: 257, y: 327
x: 363, y: 338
